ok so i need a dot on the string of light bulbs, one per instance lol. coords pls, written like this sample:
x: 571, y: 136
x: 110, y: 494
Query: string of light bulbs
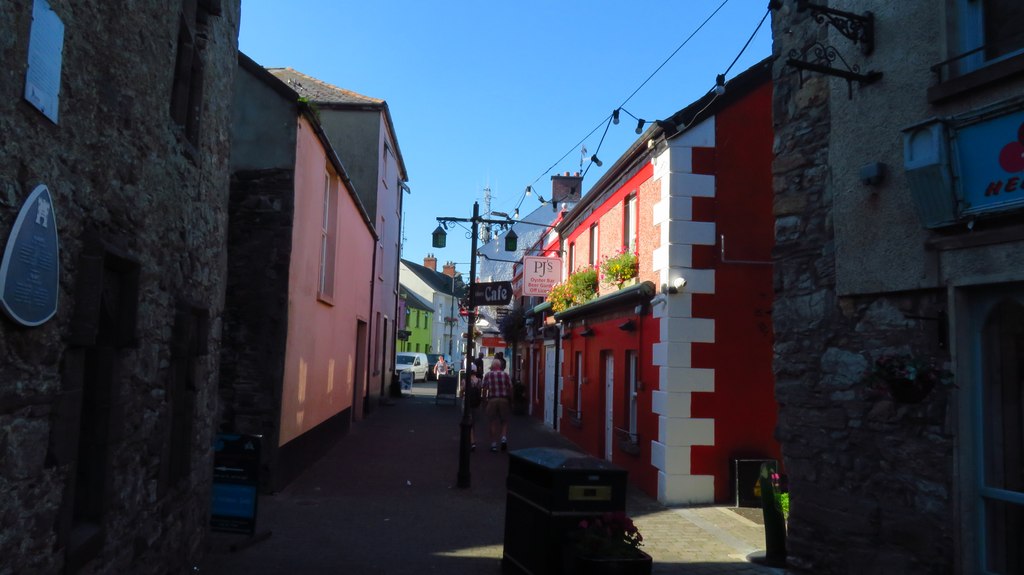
x: 614, y: 117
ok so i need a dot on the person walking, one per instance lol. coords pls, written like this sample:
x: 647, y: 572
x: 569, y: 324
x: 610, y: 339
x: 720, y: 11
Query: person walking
x: 440, y: 368
x: 478, y: 363
x: 497, y: 386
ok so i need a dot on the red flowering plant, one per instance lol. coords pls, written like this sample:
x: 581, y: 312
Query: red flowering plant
x: 906, y: 378
x: 608, y: 535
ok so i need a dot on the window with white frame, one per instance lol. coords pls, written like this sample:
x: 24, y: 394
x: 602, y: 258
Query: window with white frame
x: 572, y: 258
x: 629, y: 223
x: 592, y: 259
x: 328, y: 231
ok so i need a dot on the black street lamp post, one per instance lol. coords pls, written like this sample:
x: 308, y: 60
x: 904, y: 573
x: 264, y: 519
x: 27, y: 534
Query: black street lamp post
x: 439, y: 240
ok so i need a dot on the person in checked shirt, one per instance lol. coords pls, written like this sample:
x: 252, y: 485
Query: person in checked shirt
x: 497, y: 387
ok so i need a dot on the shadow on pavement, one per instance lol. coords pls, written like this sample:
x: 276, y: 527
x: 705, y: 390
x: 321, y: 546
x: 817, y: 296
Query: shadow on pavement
x: 383, y: 500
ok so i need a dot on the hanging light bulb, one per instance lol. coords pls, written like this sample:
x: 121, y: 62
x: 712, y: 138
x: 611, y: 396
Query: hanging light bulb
x: 640, y: 126
x: 615, y: 116
x: 720, y: 85
x: 515, y: 214
x: 529, y: 190
x: 596, y: 161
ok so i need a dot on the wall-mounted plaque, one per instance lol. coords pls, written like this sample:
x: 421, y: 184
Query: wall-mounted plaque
x: 30, y: 270
x: 45, y: 52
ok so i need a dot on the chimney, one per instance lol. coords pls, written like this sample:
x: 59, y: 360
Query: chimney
x: 566, y: 188
x: 430, y: 262
x: 449, y: 269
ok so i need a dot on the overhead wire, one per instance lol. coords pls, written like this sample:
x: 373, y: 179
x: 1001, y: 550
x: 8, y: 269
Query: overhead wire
x: 607, y: 121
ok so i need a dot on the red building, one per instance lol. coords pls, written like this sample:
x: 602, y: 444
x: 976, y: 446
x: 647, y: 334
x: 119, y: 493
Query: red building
x: 671, y: 377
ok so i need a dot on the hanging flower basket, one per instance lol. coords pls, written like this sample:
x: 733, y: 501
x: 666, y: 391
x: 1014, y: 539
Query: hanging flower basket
x: 907, y: 379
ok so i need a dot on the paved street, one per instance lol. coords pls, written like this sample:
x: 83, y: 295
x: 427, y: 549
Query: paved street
x: 384, y: 501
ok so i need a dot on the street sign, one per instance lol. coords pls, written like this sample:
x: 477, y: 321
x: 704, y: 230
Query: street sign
x: 493, y: 293
x: 236, y: 479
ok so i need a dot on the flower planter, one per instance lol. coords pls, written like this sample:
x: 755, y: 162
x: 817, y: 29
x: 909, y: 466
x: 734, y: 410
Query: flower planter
x: 638, y: 565
x: 909, y: 391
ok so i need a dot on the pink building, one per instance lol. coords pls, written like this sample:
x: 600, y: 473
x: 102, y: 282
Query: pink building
x: 297, y: 359
x: 361, y: 131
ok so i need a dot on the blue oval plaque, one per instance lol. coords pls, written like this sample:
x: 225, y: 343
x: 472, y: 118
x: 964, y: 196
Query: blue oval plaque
x: 30, y: 271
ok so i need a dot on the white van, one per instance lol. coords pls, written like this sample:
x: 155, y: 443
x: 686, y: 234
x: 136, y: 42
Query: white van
x: 414, y: 362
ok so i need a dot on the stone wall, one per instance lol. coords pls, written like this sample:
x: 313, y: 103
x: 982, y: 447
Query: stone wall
x: 141, y: 210
x: 870, y: 479
x: 262, y: 210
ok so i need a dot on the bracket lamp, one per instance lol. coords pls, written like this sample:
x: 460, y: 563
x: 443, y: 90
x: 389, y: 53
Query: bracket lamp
x: 511, y: 241
x: 439, y: 237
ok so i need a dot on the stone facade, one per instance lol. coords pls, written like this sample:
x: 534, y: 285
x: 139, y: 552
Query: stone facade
x: 877, y: 486
x: 107, y: 410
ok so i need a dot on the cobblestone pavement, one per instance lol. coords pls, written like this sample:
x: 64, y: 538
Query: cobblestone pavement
x: 383, y: 501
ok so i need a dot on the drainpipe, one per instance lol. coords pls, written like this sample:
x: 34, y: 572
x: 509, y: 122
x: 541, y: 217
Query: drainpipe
x: 373, y: 325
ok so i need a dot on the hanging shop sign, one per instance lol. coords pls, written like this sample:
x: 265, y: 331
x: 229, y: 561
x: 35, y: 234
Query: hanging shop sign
x: 990, y: 157
x: 30, y: 269
x: 493, y: 293
x: 540, y: 274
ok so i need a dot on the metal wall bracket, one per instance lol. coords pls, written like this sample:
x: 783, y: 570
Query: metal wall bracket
x: 822, y: 59
x: 858, y: 28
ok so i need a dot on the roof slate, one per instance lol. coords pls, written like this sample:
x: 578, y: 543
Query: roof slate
x: 412, y: 299
x: 436, y: 280
x: 319, y: 91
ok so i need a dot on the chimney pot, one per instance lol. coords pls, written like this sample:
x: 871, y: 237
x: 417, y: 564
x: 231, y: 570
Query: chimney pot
x: 430, y: 262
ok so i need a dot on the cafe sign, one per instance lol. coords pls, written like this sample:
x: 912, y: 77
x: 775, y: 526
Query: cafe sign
x: 30, y: 269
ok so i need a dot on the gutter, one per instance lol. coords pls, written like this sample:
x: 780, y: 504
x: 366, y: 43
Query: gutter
x: 640, y: 293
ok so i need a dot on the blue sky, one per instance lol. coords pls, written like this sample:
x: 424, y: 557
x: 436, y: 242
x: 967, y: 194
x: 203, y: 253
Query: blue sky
x: 492, y: 94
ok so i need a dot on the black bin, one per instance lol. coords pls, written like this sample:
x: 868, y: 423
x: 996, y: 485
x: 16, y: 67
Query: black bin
x: 550, y: 491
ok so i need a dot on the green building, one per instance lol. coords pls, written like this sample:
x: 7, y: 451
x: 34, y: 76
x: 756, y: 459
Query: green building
x: 418, y: 318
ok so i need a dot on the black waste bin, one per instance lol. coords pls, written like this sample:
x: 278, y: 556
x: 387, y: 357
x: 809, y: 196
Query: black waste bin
x: 550, y: 491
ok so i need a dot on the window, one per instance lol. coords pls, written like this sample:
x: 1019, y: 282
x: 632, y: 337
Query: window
x: 579, y: 385
x: 386, y: 163
x: 1002, y: 427
x: 989, y: 30
x: 328, y: 231
x: 632, y: 377
x: 592, y: 260
x: 572, y: 258
x: 629, y: 223
x: 187, y: 87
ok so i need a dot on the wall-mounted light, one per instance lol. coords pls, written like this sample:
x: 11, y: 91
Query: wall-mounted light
x: 720, y: 84
x: 596, y: 160
x: 872, y: 174
x: 439, y: 237
x: 640, y: 126
x: 673, y: 288
x: 615, y: 116
x: 587, y: 332
x: 628, y: 325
